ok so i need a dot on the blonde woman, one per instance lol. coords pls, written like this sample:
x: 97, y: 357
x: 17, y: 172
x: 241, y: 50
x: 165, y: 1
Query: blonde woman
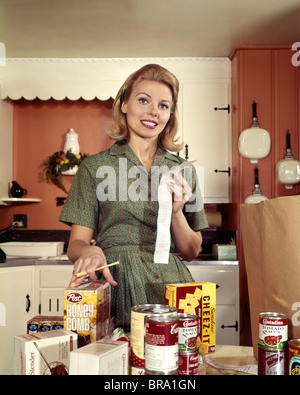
x: 115, y: 194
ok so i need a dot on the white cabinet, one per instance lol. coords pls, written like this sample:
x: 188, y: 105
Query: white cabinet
x: 226, y: 278
x: 16, y: 300
x: 26, y: 291
x: 6, y: 147
x: 50, y: 282
x: 206, y: 133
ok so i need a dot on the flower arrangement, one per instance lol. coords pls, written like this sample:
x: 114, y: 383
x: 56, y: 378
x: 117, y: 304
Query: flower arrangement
x: 61, y: 162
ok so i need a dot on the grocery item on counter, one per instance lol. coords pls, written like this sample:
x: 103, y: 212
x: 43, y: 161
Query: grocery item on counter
x: 198, y: 298
x: 87, y: 310
x: 103, y: 357
x: 294, y: 357
x: 44, y: 323
x: 44, y: 353
x: 161, y: 345
x: 137, y: 332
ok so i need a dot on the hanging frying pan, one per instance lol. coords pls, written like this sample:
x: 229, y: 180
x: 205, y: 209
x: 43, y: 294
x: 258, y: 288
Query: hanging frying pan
x: 254, y: 142
x: 257, y: 195
x: 288, y: 169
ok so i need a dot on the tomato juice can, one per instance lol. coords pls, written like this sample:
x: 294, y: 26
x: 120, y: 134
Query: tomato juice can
x: 161, y: 344
x: 188, y: 332
x: 138, y: 330
x: 294, y: 357
x: 272, y: 362
x: 188, y: 363
x: 273, y: 331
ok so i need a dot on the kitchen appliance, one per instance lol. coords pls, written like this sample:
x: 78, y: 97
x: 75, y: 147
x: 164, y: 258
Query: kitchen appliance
x: 257, y: 195
x: 288, y: 169
x: 254, y: 142
x: 28, y: 249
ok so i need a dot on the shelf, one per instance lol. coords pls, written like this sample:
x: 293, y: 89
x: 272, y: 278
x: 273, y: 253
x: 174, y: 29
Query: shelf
x: 9, y: 201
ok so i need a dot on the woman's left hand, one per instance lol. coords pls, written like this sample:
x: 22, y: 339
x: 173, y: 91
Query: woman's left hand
x: 181, y: 192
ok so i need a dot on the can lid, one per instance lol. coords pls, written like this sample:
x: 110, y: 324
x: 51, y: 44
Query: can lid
x: 294, y: 342
x: 273, y: 315
x: 153, y: 308
x: 187, y: 316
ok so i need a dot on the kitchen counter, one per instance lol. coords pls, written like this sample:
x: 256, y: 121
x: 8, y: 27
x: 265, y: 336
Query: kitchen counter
x: 231, y: 360
x: 13, y: 262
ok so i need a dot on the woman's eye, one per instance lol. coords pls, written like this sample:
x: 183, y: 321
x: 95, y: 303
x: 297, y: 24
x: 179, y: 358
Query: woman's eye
x: 143, y: 101
x: 164, y: 106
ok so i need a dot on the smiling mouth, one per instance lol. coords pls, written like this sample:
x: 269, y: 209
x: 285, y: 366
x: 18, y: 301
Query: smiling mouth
x: 149, y: 124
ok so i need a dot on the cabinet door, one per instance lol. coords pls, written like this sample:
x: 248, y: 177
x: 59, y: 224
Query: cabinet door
x: 51, y: 280
x: 207, y: 134
x: 16, y: 300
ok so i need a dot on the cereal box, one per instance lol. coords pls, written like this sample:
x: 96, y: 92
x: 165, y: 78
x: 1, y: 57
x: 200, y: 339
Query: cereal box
x: 198, y: 299
x: 87, y: 310
x: 44, y: 353
x: 103, y: 357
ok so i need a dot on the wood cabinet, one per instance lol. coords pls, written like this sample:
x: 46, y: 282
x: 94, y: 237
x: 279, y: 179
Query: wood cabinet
x: 268, y: 76
x: 226, y: 278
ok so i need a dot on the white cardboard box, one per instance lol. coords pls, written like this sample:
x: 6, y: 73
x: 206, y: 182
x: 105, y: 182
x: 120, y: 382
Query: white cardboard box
x: 55, y: 347
x: 103, y: 357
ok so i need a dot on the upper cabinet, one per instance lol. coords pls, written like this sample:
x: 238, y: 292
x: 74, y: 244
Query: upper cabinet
x: 204, y: 86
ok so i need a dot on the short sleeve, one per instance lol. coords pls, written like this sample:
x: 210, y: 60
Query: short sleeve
x: 194, y: 208
x: 81, y: 206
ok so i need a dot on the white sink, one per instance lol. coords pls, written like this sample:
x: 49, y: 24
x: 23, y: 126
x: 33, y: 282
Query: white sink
x: 28, y: 249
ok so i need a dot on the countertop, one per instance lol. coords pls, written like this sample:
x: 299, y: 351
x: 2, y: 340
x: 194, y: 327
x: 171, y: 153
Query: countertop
x: 230, y: 360
x: 206, y: 259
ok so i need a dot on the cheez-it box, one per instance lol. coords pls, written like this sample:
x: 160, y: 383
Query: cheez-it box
x: 198, y: 299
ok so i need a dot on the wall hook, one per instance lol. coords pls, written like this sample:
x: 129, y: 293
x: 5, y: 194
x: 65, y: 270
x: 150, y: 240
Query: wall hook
x: 223, y: 108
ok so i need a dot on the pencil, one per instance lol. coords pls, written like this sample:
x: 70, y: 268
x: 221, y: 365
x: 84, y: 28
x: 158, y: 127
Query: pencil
x: 98, y: 268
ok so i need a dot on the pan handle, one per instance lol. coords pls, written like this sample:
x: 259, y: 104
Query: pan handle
x: 288, y: 140
x: 256, y: 180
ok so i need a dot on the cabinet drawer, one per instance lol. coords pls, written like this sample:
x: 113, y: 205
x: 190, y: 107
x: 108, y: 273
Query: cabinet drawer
x: 225, y: 279
x: 58, y: 277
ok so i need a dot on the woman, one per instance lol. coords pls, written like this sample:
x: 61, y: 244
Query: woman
x: 122, y: 210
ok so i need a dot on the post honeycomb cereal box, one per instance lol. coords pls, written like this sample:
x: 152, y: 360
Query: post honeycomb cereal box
x: 87, y: 311
x: 198, y: 299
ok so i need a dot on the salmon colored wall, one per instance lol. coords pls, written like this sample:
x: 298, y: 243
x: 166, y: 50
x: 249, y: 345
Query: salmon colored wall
x: 39, y: 131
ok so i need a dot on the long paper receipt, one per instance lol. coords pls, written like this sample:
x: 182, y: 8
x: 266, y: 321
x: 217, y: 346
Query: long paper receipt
x: 163, y: 237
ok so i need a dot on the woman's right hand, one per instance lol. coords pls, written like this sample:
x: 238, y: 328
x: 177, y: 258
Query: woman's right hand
x: 91, y: 259
x: 86, y: 257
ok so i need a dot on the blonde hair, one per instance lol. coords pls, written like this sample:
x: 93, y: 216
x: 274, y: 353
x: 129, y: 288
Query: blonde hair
x: 150, y: 72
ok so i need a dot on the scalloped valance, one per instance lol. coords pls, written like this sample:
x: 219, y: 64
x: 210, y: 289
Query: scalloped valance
x: 61, y: 78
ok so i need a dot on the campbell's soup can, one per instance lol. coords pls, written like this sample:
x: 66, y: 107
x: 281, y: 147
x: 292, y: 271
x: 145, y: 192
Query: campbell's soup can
x: 294, y: 357
x: 137, y: 328
x: 161, y: 344
x: 188, y: 363
x: 272, y: 362
x: 188, y: 331
x: 273, y: 331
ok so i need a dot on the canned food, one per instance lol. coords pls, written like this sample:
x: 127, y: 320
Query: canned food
x: 294, y: 357
x: 137, y: 328
x: 272, y: 362
x: 160, y: 373
x: 161, y: 351
x: 273, y: 330
x: 188, y: 331
x: 188, y: 363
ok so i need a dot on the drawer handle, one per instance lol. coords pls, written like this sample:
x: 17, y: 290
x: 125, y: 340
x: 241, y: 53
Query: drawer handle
x: 28, y: 303
x: 236, y: 326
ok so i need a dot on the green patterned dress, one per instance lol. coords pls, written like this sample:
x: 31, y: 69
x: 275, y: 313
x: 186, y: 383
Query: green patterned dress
x: 108, y: 196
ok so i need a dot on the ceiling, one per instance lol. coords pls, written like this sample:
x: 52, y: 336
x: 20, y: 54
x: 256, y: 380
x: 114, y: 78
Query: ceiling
x: 144, y: 28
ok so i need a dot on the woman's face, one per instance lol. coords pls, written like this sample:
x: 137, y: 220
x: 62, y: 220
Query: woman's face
x: 148, y: 109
